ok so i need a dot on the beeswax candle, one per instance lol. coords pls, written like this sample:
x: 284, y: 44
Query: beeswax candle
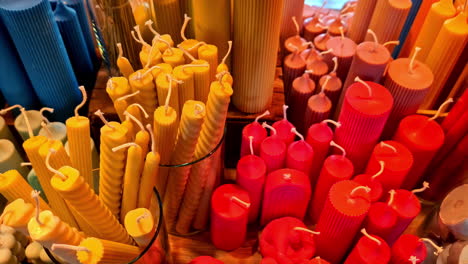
x: 201, y: 78
x: 173, y: 57
x: 209, y: 53
x: 143, y: 81
x: 13, y: 186
x: 17, y: 215
x: 117, y: 87
x: 167, y: 87
x: 167, y: 14
x: 149, y: 175
x: 125, y: 67
x: 139, y: 223
x: 100, y: 251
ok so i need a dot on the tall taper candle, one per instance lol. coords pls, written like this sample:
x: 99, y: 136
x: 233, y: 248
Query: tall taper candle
x: 291, y: 8
x: 361, y: 19
x: 168, y: 16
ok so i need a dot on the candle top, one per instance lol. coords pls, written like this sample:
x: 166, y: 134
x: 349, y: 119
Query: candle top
x: 380, y: 102
x: 252, y: 166
x: 294, y: 41
x: 373, y: 54
x: 162, y: 68
x: 57, y: 129
x: 319, y: 103
x: 400, y: 4
x: 320, y: 41
x: 256, y: 130
x: 222, y: 201
x: 34, y: 142
x: 63, y: 12
x: 382, y: 215
x: 317, y: 66
x: 34, y: 118
x: 139, y: 222
x: 334, y: 83
x: 319, y: 132
x: 301, y: 150
x: 444, y: 7
x: 116, y: 133
x: 338, y: 166
x: 294, y: 60
x: 72, y: 179
x: 406, y: 204
x: 419, y: 78
x: 199, y: 69
x: 342, y: 47
x: 207, y: 50
x: 398, y: 159
x: 454, y: 208
x: 273, y: 145
x: 283, y: 130
x: 290, y: 177
x: 303, y: 84
x: 46, y: 230
x: 8, y: 148
x: 17, y: 5
x: 419, y: 130
x: 373, y: 184
x: 409, y: 245
x: 346, y: 201
x: 373, y: 252
x: 77, y: 122
x: 17, y: 212
x: 313, y: 25
x: 163, y: 117
x: 140, y: 78
x: 118, y: 87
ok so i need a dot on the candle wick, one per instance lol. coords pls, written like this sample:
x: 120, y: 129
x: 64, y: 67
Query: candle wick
x: 140, y: 38
x: 26, y: 120
x: 47, y: 130
x: 183, y: 67
x: 227, y: 53
x: 326, y: 52
x: 413, y: 59
x: 23, y: 164
x: 4, y: 111
x: 149, y: 24
x: 83, y: 101
x: 125, y: 145
x: 150, y: 57
x: 294, y: 130
x: 110, y: 83
x: 365, y: 188
x: 119, y: 49
x: 134, y: 119
x: 342, y: 34
x: 69, y: 247
x: 100, y: 114
x: 324, y: 85
x: 441, y: 107
x: 145, y: 114
x: 393, y: 42
x: 382, y: 168
x: 220, y: 77
x: 124, y: 97
x: 148, y: 71
x: 422, y: 189
x: 35, y: 196
x: 186, y: 53
x: 287, y: 177
x: 141, y: 217
x: 49, y: 167
x: 170, y: 79
x: 369, y: 88
x: 383, y: 144
x: 335, y: 64
x: 437, y: 248
x: 153, y: 142
x: 267, y: 112
x: 48, y: 109
x: 169, y: 47
x: 298, y: 228
x: 337, y: 124
x: 296, y: 25
x: 251, y: 145
x: 264, y: 124
x: 392, y: 196
x: 374, y: 36
x: 201, y: 43
x: 184, y: 26
x: 413, y: 259
x: 285, y: 112
x: 364, y: 232
x: 239, y: 202
x: 333, y: 144
x: 295, y: 50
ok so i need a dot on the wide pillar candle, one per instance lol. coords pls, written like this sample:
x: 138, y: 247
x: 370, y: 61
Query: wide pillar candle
x: 369, y: 249
x: 406, y: 247
x: 319, y: 137
x: 344, y: 49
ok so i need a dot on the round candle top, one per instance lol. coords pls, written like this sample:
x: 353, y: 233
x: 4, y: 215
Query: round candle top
x: 303, y: 84
x: 173, y: 55
x: 163, y: 68
x: 200, y: 69
x: 139, y: 222
x: 116, y: 133
x: 117, y: 87
x: 319, y: 132
x: 314, y: 25
x: 321, y: 40
x: 189, y: 45
x: 273, y: 146
x: 382, y: 215
x: 283, y: 131
x: 373, y: 53
x: 17, y: 212
x: 8, y: 149
x: 338, y: 166
x: 334, y: 26
x: 34, y: 118
x: 223, y: 204
x: 317, y: 260
x: 454, y: 208
x: 342, y: 47
x: 409, y: 245
x: 300, y: 150
x: 310, y: 55
x: 71, y: 180
x: 254, y: 129
x: 279, y: 177
x: 423, y: 133
x: 205, y: 260
x: 416, y: 77
x: 252, y: 166
x: 139, y: 79
x: 294, y: 60
x: 372, y: 251
x: 377, y: 103
x: 348, y: 199
x: 294, y: 42
x: 319, y: 103
x: 334, y: 83
x: 317, y: 66
x: 406, y: 204
x: 373, y: 184
x: 43, y: 231
x: 58, y: 131
x: 397, y: 159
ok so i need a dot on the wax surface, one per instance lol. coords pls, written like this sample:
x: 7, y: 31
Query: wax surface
x: 374, y: 184
x: 406, y: 246
x: 319, y: 137
x: 369, y: 251
x: 299, y: 156
x: 258, y: 133
x: 273, y: 152
x: 381, y: 219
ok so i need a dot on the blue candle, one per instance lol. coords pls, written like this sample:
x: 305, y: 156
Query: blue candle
x: 67, y: 22
x: 37, y: 39
x: 406, y: 28
x: 14, y: 82
x: 53, y: 4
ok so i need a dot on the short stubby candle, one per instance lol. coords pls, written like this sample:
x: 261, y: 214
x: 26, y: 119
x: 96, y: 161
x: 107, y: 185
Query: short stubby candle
x: 398, y: 162
x: 423, y: 137
x: 407, y: 207
x: 344, y: 49
x: 312, y: 28
x: 273, y: 152
x: 373, y: 183
x: 293, y: 67
x: 370, y: 249
x: 255, y: 130
x: 229, y: 216
x: 319, y: 137
x: 299, y: 156
x: 283, y: 128
x: 287, y: 193
x: 381, y: 219
x: 406, y: 247
x: 345, y: 209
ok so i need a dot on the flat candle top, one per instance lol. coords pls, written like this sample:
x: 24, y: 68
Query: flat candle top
x: 175, y: 55
x: 371, y: 251
x: 138, y: 79
x: 320, y: 132
x: 118, y: 87
x: 47, y: 229
x: 252, y: 167
x: 200, y: 69
x: 182, y: 73
x: 281, y: 177
x: 444, y: 7
x: 163, y: 68
x: 294, y: 60
x: 77, y: 122
x: 342, y: 47
x: 17, y: 5
x: 163, y: 82
x: 359, y: 98
x: 34, y: 142
x: 400, y: 4
x: 373, y: 54
x: 400, y: 160
x: 350, y: 205
x: 256, y: 130
x: 283, y: 130
x: 424, y: 133
x: 163, y: 117
x: 319, y: 103
x: 222, y: 204
x: 18, y: 212
x: 454, y: 208
x: 406, y: 204
x: 273, y: 146
x: 72, y: 180
x: 188, y: 44
x: 334, y: 83
x: 373, y: 184
x: 191, y: 110
x: 301, y: 150
x: 303, y: 84
x: 7, y: 148
x: 338, y: 166
x: 409, y: 245
x: 382, y: 215
x: 313, y: 25
x: 117, y: 133
x: 57, y: 129
x: 207, y: 50
x: 317, y: 66
x: 141, y: 227
x: 419, y: 78
x: 96, y: 251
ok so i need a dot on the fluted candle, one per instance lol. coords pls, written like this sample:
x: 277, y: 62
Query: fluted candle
x: 361, y: 19
x: 167, y: 14
x: 13, y: 186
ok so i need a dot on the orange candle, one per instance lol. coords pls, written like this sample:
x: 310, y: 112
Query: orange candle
x: 209, y: 53
x: 140, y: 225
x: 117, y: 87
x: 291, y: 8
x: 13, y: 186
x: 361, y: 19
x: 167, y: 88
x: 17, y: 215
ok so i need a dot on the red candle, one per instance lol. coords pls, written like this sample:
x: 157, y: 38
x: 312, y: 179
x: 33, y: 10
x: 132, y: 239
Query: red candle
x: 287, y: 240
x: 373, y: 183
x: 318, y: 109
x: 332, y: 87
x: 312, y: 28
x: 300, y: 155
x: 268, y: 261
x: 423, y: 137
x: 345, y: 209
x: 344, y: 49
x: 365, y: 110
x: 370, y: 249
x: 205, y: 260
x: 319, y: 137
x: 317, y: 260
x: 283, y: 128
x: 316, y: 67
x: 293, y: 67
x: 456, y: 112
x: 335, y: 168
x: 381, y: 219
x: 408, y: 249
x: 287, y: 193
x: 251, y: 172
x: 302, y: 89
x: 229, y: 216
x: 398, y: 161
x: 320, y: 41
x: 255, y: 130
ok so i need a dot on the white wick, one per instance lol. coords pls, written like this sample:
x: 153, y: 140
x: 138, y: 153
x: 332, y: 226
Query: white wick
x: 383, y: 144
x: 298, y: 228
x: 4, y: 111
x: 134, y: 119
x: 337, y: 124
x: 100, y: 114
x: 47, y: 163
x: 194, y: 65
x: 422, y: 189
x: 342, y: 33
x: 186, y: 53
x: 285, y: 109
x: 382, y: 168
x: 413, y: 59
x: 335, y: 64
x: 150, y: 56
x: 119, y: 48
x: 26, y: 120
x: 83, y: 101
x: 294, y: 130
x: 437, y: 248
x: 140, y: 38
x: 126, y: 145
x: 69, y: 247
x: 264, y: 124
x: 392, y: 196
x: 393, y: 42
x: 35, y: 196
x: 364, y: 232
x: 442, y: 106
x: 369, y: 89
x: 48, y: 109
x: 145, y: 114
x: 23, y: 164
x: 153, y: 142
x: 251, y: 145
x: 184, y: 26
x: 326, y: 52
x: 149, y: 24
x: 227, y: 53
x: 298, y: 30
x: 124, y: 97
x: 262, y: 115
x: 413, y: 260
x: 333, y: 144
x: 148, y: 71
x: 239, y: 202
x: 141, y: 217
x: 47, y: 130
x: 374, y: 36
x: 365, y: 188
x: 324, y: 85
x: 199, y: 108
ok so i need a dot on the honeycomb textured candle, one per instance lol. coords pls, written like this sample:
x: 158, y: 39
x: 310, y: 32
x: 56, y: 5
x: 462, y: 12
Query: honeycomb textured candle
x: 14, y: 186
x: 79, y: 195
x: 103, y: 251
x: 167, y: 14
x: 78, y: 133
x: 256, y: 32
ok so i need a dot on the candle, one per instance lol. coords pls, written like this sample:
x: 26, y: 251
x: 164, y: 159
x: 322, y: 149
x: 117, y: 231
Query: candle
x: 344, y: 49
x: 273, y: 151
x: 142, y: 80
x: 319, y: 137
x: 17, y: 215
x: 361, y: 19
x: 33, y: 119
x: 293, y: 67
x: 408, y: 248
x: 313, y: 27
x: 169, y: 18
x: 442, y: 57
x: 14, y: 186
x: 117, y: 87
x: 291, y: 9
x: 94, y: 251
x: 409, y: 81
x: 150, y: 56
x: 189, y: 45
x: 316, y: 66
x: 381, y: 219
x: 191, y: 121
x: 320, y: 41
x: 331, y: 86
x: 255, y: 33
x: 205, y: 260
x: 452, y: 212
x: 173, y: 57
x: 283, y: 128
x: 167, y: 86
x: 423, y: 137
x: 365, y: 110
x: 251, y: 173
x: 33, y: 251
x: 335, y: 168
x: 334, y: 24
x: 369, y: 249
x: 455, y: 113
x: 10, y: 158
x: 139, y: 223
x: 209, y: 53
x: 223, y: 67
x: 318, y: 109
x: 185, y: 88
x: 287, y: 193
x: 229, y: 216
x: 125, y: 67
x: 388, y: 19
x: 201, y: 77
x: 255, y: 130
x: 302, y: 89
x: 398, y: 161
x: 300, y: 155
x: 372, y: 182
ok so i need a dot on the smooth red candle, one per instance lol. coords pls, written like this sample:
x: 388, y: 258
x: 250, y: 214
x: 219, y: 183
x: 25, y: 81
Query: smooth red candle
x: 273, y: 152
x: 293, y: 67
x: 268, y: 261
x: 335, y: 168
x: 299, y: 156
x: 318, y: 109
x: 283, y: 129
x: 251, y: 173
x: 287, y: 193
x: 398, y: 161
x: 381, y: 219
x: 302, y: 89
x: 345, y: 209
x: 205, y: 260
x: 407, y: 207
x: 407, y: 246
x: 423, y: 137
x: 363, y: 115
x: 229, y: 216
x: 319, y: 137
x: 369, y: 251
x: 258, y: 132
x: 317, y: 260
x: 373, y: 183
x: 344, y: 49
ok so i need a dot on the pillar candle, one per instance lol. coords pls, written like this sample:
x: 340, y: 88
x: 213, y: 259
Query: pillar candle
x: 318, y: 109
x: 423, y: 137
x: 335, y: 168
x: 409, y: 81
x: 105, y: 251
x: 14, y: 186
x: 291, y: 9
x: 344, y: 49
x: 365, y: 110
x: 167, y: 14
x: 273, y: 151
x: 54, y: 131
x: 361, y: 19
x: 293, y: 67
x: 299, y: 155
x: 388, y: 19
x: 312, y: 28
x: 150, y: 56
x: 381, y: 219
x: 372, y: 181
x: 452, y: 212
x: 345, y: 209
x: 229, y: 216
x: 189, y: 45
x: 17, y: 215
x: 332, y: 88
x: 302, y: 89
x: 139, y: 224
x: 334, y: 25
x: 294, y: 42
x: 255, y: 33
x: 257, y: 131
x: 416, y: 4
x: 442, y: 57
x: 316, y: 67
x: 369, y: 249
x: 34, y: 118
x: 406, y: 247
x: 173, y: 57
x: 142, y: 80
x: 287, y: 193
x: 209, y: 53
x: 10, y: 159
x: 283, y: 128
x: 117, y: 87
x: 201, y: 77
x: 124, y: 65
x: 398, y: 161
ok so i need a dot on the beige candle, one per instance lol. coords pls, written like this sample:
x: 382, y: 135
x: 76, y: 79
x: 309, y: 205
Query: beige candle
x: 291, y: 8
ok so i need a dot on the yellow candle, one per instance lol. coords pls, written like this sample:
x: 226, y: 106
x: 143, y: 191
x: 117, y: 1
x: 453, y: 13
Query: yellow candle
x: 447, y: 48
x: 138, y: 112
x: 117, y: 87
x: 210, y: 135
x: 13, y: 186
x: 142, y: 13
x: 191, y: 46
x: 80, y: 196
x: 201, y: 80
x: 150, y: 174
x: 174, y: 57
x: 193, y: 114
x: 17, y: 214
x: 142, y: 80
x: 150, y: 56
x: 186, y: 88
x: 142, y: 137
x: 167, y: 14
x: 209, y: 53
x: 128, y: 124
x: 112, y: 164
x: 163, y: 42
x: 436, y: 17
x: 101, y: 251
x: 122, y: 103
x: 167, y: 88
x: 124, y: 65
x: 223, y: 67
x: 140, y: 225
x: 161, y: 69
x: 31, y: 147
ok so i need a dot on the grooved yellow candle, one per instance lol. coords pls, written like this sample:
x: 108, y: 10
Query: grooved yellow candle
x: 167, y: 14
x: 186, y: 88
x: 81, y: 197
x: 150, y: 174
x: 201, y: 80
x: 117, y: 87
x: 13, y: 186
x: 210, y: 135
x: 191, y: 46
x: 193, y: 114
x: 138, y: 112
x: 222, y: 67
x: 17, y: 215
x: 174, y: 57
x: 122, y: 103
x: 209, y: 53
x: 142, y: 80
x: 150, y: 56
x: 124, y: 65
x: 140, y: 225
x: 142, y: 137
x: 101, y: 251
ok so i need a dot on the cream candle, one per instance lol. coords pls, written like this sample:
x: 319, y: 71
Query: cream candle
x: 10, y: 159
x: 25, y: 122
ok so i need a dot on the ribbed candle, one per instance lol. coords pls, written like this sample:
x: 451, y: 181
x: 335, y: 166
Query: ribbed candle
x: 361, y: 19
x: 167, y: 14
x: 13, y: 69
x: 47, y: 63
x: 104, y: 251
x: 201, y: 80
x: 365, y: 110
x: 388, y: 19
x: 317, y: 68
x: 140, y: 225
x: 408, y: 81
x: 293, y: 67
x: 302, y: 89
x: 283, y: 128
x: 255, y: 130
x: 143, y: 81
x: 318, y: 109
x: 381, y: 219
x: 291, y: 8
x: 299, y: 156
x: 14, y: 186
x: 273, y: 152
x: 163, y: 82
x: 173, y: 57
x: 78, y: 133
x: 209, y: 53
x: 256, y: 32
x: 319, y: 137
x: 320, y: 41
x: 416, y: 4
x: 131, y: 184
x: 408, y: 246
x: 186, y: 88
x: 332, y: 89
x: 117, y: 87
x: 17, y: 215
x: 313, y: 28
x: 344, y: 49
